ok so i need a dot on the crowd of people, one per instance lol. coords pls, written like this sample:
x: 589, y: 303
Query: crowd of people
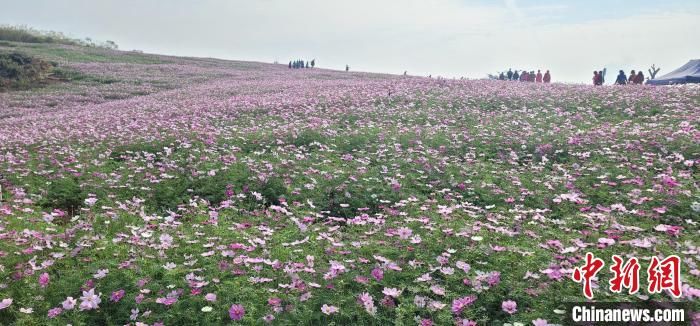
x: 298, y: 64
x: 525, y: 76
x: 635, y: 78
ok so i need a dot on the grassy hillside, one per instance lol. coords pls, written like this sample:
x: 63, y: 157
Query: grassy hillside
x: 190, y: 191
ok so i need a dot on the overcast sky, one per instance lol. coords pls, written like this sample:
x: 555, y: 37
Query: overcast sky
x: 449, y: 38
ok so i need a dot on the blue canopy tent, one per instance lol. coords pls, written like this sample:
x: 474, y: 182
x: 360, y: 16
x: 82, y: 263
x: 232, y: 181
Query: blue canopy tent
x: 688, y: 73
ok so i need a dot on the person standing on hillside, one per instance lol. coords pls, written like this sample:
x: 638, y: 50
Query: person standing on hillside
x: 639, y: 79
x: 516, y: 76
x: 621, y: 78
x: 347, y: 68
x: 631, y: 78
x: 510, y: 74
x: 547, y: 77
x: 538, y: 78
x: 595, y: 78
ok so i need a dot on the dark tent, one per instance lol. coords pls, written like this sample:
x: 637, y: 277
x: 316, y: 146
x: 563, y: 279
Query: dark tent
x: 688, y: 73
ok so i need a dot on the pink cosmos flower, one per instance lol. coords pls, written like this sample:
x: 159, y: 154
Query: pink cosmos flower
x: 5, y: 303
x: 494, y: 278
x: 509, y: 306
x: 674, y: 230
x: 211, y: 297
x: 378, y: 274
x: 44, y: 280
x: 366, y: 300
x: 53, y: 313
x: 236, y: 312
x: 392, y: 292
x: 329, y: 310
x: 437, y: 290
x: 459, y: 304
x: 539, y: 322
x: 69, y: 303
x: 101, y: 273
x: 168, y: 301
x: 117, y: 295
x: 91, y: 201
x: 89, y: 300
x: 274, y: 301
x: 404, y: 232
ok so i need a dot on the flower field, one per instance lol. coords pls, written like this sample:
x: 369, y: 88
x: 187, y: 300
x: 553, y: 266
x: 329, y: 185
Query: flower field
x: 181, y: 191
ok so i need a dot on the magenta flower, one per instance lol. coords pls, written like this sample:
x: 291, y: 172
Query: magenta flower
x: 53, y: 313
x: 459, y: 304
x: 378, y: 274
x: 117, y: 295
x: 44, y: 280
x: 236, y: 312
x: 494, y: 278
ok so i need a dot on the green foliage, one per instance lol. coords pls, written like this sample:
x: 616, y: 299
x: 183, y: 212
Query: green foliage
x: 64, y: 194
x: 168, y: 194
x: 307, y: 137
x: 74, y: 75
x: 272, y: 190
x: 18, y: 70
x: 27, y: 34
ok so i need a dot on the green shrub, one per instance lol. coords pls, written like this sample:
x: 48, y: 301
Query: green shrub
x: 27, y: 34
x: 64, y: 194
x: 168, y: 194
x: 307, y: 137
x: 19, y: 70
x: 272, y: 190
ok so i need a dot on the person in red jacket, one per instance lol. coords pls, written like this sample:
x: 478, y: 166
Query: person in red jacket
x: 639, y: 79
x: 547, y: 77
x: 538, y: 78
x: 632, y: 77
x: 524, y: 76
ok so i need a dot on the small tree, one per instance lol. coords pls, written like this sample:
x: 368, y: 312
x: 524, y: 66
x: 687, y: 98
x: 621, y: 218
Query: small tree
x: 110, y: 45
x: 653, y: 71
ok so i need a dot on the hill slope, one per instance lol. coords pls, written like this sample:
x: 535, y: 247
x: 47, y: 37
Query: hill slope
x: 188, y: 191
